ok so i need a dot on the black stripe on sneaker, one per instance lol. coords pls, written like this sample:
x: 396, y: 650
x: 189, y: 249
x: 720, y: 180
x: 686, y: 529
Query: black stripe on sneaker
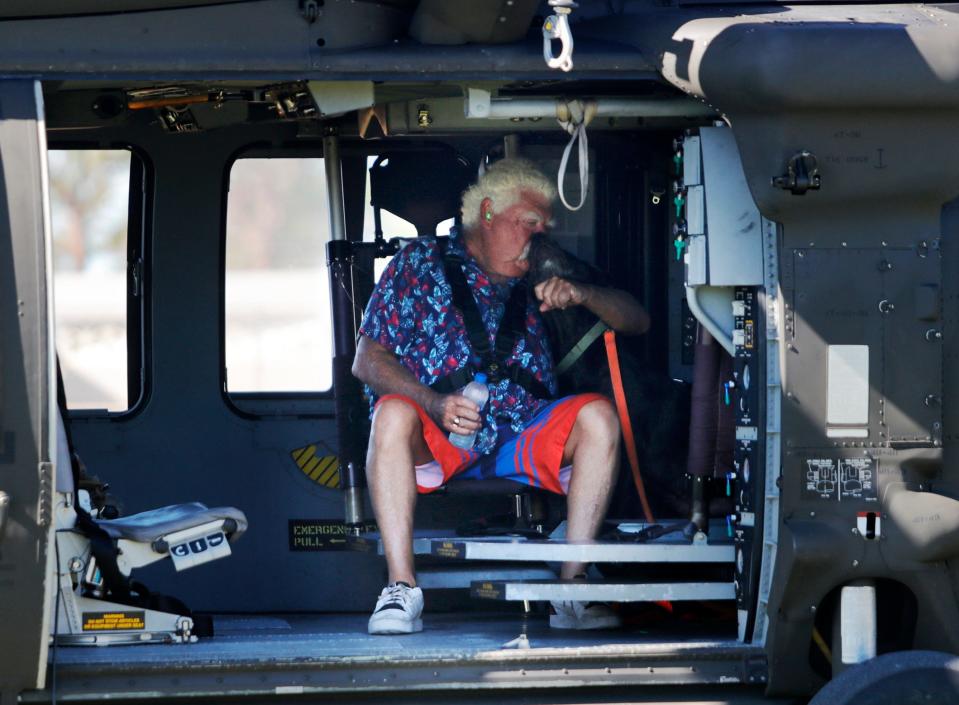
x: 391, y: 606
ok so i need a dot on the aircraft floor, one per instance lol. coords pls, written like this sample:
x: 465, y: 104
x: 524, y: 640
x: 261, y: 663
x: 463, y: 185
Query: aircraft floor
x: 343, y: 637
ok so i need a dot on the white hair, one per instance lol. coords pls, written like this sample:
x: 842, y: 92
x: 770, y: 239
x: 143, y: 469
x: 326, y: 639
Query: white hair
x: 503, y: 183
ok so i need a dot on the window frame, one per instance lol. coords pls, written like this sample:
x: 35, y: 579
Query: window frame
x: 265, y: 404
x: 141, y: 186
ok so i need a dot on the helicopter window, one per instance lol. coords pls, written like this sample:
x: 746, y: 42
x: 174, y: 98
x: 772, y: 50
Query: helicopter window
x: 277, y: 308
x: 89, y: 197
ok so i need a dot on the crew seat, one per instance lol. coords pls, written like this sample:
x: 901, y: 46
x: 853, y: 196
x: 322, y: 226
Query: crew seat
x: 184, y: 531
x: 97, y: 603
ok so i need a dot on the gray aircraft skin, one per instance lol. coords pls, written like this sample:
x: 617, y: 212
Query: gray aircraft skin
x: 792, y: 162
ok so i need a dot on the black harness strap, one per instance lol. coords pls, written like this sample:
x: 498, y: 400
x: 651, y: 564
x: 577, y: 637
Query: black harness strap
x: 492, y: 358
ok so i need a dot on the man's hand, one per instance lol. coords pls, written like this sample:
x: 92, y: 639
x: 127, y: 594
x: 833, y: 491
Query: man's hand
x: 380, y: 369
x: 454, y: 412
x: 618, y: 309
x: 559, y: 293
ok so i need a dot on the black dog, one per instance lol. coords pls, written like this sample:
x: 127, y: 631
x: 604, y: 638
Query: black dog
x: 658, y: 406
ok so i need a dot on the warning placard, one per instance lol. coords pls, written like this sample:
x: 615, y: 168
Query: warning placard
x: 321, y: 534
x: 841, y: 479
x: 112, y: 621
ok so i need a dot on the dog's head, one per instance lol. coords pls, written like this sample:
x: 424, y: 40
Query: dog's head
x: 547, y: 259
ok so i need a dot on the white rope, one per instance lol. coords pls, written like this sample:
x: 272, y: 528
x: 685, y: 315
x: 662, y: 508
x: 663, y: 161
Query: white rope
x: 574, y: 117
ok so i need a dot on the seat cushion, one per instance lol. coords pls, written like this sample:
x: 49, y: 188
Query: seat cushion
x: 151, y: 525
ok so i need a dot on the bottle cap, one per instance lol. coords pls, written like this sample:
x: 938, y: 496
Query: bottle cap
x: 480, y: 377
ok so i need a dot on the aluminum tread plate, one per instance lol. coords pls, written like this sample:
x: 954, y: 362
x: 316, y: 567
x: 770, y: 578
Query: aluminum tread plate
x: 585, y: 552
x: 592, y: 591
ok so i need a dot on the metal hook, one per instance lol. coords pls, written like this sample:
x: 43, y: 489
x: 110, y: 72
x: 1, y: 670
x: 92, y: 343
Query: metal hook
x: 557, y: 27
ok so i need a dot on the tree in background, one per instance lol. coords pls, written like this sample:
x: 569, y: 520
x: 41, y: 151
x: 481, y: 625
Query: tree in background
x: 88, y: 193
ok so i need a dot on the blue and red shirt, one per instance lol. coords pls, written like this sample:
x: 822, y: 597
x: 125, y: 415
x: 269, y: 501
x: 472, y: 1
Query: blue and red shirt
x: 411, y: 314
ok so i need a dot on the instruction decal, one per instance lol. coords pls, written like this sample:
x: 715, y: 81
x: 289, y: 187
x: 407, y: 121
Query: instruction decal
x: 487, y: 590
x: 322, y: 534
x: 841, y: 479
x: 322, y: 469
x: 448, y: 549
x: 113, y: 621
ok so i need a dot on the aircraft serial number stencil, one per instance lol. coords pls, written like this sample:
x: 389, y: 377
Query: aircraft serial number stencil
x: 840, y: 479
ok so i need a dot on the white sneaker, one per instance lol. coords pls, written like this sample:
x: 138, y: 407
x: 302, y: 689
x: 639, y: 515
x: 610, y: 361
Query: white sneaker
x: 398, y: 610
x: 582, y: 615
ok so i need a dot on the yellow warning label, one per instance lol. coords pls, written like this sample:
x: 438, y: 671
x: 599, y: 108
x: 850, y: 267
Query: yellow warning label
x: 490, y: 591
x: 112, y: 621
x: 323, y: 470
x: 448, y: 549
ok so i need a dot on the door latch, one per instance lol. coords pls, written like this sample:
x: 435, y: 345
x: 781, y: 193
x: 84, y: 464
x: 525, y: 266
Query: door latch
x: 802, y: 174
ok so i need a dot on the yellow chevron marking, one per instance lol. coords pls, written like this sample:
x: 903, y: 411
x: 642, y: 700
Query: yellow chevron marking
x: 309, y: 467
x: 331, y: 477
x: 321, y: 467
x: 323, y: 470
x: 301, y: 456
x: 324, y: 478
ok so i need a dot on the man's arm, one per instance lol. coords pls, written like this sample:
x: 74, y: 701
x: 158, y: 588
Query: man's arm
x: 618, y: 309
x: 378, y: 367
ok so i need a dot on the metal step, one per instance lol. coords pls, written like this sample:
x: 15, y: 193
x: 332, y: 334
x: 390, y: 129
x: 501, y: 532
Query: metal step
x: 371, y: 543
x: 596, y: 591
x: 513, y: 549
x: 463, y: 576
x: 671, y: 548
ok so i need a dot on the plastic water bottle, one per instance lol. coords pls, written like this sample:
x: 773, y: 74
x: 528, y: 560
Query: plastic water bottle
x: 476, y: 391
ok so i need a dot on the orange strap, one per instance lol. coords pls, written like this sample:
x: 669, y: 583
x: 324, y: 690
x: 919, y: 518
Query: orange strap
x: 628, y: 438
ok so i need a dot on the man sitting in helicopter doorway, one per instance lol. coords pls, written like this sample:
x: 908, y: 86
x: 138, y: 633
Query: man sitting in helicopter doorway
x: 441, y: 314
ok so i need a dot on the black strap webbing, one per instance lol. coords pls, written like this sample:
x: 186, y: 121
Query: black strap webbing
x: 492, y: 358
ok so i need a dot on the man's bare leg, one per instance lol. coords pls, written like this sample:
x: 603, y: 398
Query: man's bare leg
x: 396, y: 445
x: 593, y: 449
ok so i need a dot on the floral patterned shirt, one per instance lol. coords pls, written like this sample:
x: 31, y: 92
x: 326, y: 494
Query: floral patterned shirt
x: 411, y: 314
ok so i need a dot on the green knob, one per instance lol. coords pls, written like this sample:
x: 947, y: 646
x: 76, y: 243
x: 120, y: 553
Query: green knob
x: 680, y: 245
x: 678, y: 161
x: 678, y: 201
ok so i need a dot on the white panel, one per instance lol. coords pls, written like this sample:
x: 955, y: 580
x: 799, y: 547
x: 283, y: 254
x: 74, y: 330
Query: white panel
x: 846, y: 432
x: 695, y: 211
x: 696, y: 260
x: 715, y: 302
x: 733, y: 223
x: 857, y: 619
x: 338, y: 97
x: 848, y: 390
x: 691, y: 168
